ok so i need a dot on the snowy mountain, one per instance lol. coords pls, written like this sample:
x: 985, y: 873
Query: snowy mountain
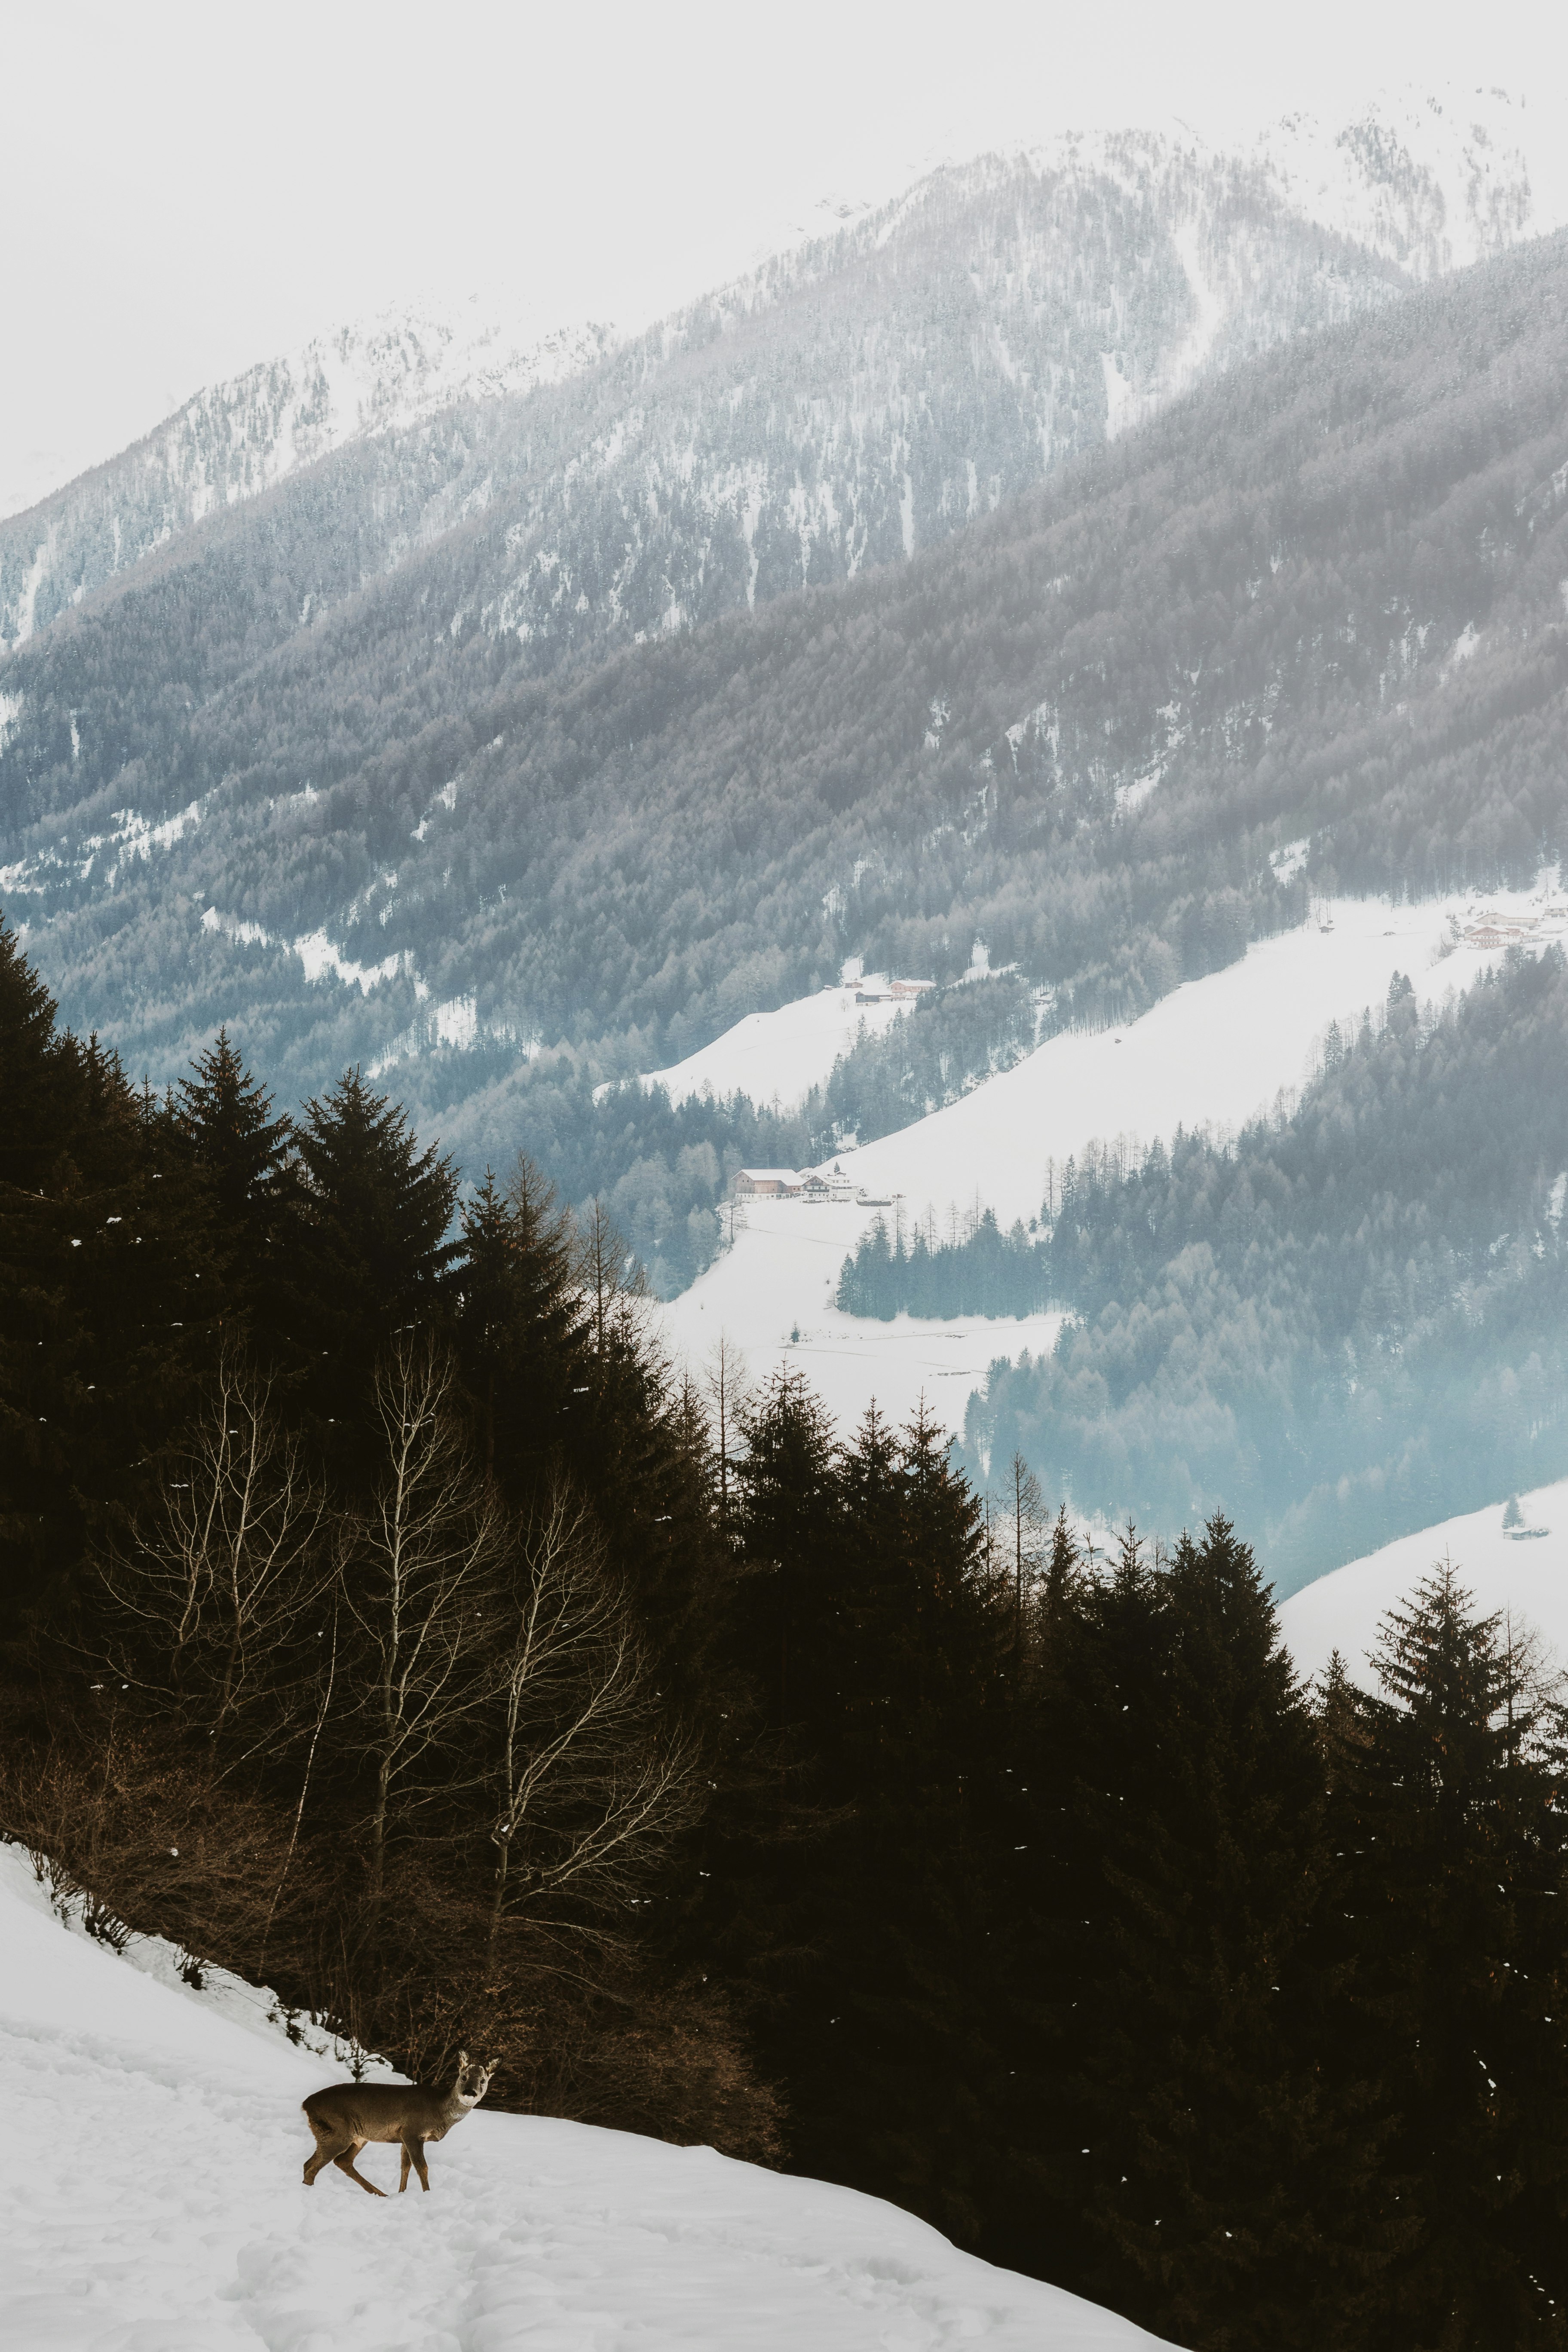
x: 838, y: 407
x: 161, y: 2205
x: 1431, y: 181
x: 234, y: 440
x: 1302, y: 629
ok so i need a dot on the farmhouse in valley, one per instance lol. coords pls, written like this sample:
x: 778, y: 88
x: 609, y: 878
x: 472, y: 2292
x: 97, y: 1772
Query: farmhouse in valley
x: 767, y: 1184
x: 811, y: 1184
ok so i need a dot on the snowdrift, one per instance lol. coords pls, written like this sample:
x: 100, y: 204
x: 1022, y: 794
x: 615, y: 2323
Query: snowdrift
x: 152, y: 2203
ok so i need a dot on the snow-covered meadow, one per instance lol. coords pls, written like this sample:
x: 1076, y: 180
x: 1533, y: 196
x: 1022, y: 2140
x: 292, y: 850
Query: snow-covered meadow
x: 773, y: 1297
x: 152, y: 2203
x: 1211, y: 1053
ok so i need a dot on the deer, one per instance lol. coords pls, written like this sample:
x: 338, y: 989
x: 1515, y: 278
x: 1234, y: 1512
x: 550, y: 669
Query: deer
x: 347, y: 2115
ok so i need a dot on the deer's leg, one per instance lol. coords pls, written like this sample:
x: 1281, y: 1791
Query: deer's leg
x: 328, y: 2147
x: 413, y: 2152
x: 346, y: 2163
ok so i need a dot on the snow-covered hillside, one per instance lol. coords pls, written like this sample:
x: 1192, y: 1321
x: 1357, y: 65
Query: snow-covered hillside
x: 777, y: 1058
x: 153, y: 2204
x: 1211, y: 1054
x: 873, y: 389
x: 772, y: 1296
x: 1431, y: 179
x: 233, y: 440
x: 1522, y: 1570
x: 1214, y: 1053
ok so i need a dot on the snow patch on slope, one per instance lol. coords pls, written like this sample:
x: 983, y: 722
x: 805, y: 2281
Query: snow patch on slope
x: 1213, y: 1054
x: 777, y: 1058
x: 159, y: 2210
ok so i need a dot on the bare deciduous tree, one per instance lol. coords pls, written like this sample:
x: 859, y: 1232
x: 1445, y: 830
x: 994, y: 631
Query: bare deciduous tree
x: 729, y: 1391
x: 1027, y: 1506
x: 588, y: 1787
x: 418, y: 1581
x: 207, y: 1603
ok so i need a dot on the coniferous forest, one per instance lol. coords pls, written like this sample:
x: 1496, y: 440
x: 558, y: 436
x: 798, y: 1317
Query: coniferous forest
x: 1342, y: 1322
x: 385, y: 1620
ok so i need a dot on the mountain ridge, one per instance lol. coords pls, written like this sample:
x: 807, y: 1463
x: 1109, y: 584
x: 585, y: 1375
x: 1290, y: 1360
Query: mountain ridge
x: 1226, y: 252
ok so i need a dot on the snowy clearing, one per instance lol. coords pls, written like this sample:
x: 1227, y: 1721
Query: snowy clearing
x: 1524, y: 1572
x: 159, y: 2209
x: 779, y: 1280
x: 777, y: 1058
x: 1211, y: 1054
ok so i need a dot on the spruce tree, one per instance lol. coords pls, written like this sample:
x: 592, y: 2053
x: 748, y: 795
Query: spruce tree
x: 1216, y: 2181
x: 241, y: 1156
x: 375, y: 1255
x: 242, y: 1150
x: 1446, y: 1903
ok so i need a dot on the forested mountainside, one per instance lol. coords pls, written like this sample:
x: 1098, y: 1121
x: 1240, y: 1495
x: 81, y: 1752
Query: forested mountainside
x: 741, y: 1785
x: 1350, y: 1323
x: 1307, y: 622
x: 846, y: 403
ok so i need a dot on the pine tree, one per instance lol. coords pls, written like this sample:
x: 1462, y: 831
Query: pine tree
x: 240, y: 1159
x: 881, y: 1652
x: 375, y: 1256
x: 243, y: 1150
x: 1450, y: 1878
x: 103, y: 1306
x: 522, y: 1331
x: 1213, y: 2174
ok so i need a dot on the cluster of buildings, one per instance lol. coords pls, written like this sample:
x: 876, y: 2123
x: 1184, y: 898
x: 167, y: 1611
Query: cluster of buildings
x: 1491, y: 929
x: 891, y: 992
x: 798, y: 1184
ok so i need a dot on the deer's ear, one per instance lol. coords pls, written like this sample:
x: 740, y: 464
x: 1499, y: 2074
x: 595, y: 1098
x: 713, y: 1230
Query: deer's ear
x: 463, y: 2059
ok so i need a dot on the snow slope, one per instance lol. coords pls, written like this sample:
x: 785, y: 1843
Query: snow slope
x: 779, y: 1280
x: 1527, y: 1575
x: 159, y: 2209
x: 1211, y: 1054
x: 231, y: 441
x: 777, y: 1058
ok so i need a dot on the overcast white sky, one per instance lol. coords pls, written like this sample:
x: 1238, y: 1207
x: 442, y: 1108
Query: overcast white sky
x: 189, y: 187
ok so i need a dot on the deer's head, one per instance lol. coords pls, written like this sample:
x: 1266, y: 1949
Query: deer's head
x: 473, y: 2078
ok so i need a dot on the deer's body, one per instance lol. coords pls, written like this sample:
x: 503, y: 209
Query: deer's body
x: 347, y: 2114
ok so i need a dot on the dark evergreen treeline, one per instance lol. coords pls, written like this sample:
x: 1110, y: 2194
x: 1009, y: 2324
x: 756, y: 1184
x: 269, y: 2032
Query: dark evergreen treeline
x: 385, y: 1620
x: 989, y: 1272
x: 1347, y: 1321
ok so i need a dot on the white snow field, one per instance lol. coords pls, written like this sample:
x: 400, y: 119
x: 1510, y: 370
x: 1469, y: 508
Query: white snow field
x: 777, y: 1058
x: 1213, y: 1053
x: 152, y: 2203
x: 1525, y: 1574
x: 779, y: 1280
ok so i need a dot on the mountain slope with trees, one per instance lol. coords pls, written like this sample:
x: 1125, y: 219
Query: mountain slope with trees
x: 1314, y: 608
x: 1347, y: 1321
x: 389, y: 1626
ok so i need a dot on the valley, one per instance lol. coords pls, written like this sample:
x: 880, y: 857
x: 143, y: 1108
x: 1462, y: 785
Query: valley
x: 784, y: 1274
